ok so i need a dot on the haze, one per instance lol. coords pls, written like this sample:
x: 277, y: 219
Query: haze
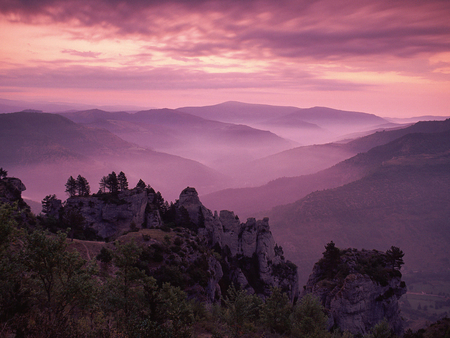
x: 390, y: 58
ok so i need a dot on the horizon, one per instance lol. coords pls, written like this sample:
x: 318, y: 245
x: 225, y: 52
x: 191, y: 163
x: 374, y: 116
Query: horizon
x: 391, y: 59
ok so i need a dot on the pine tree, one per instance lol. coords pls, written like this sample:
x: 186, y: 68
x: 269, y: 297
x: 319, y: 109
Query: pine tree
x: 3, y: 173
x: 103, y: 183
x: 123, y: 182
x: 395, y: 257
x: 112, y: 183
x: 141, y: 184
x: 71, y: 186
x: 83, y: 187
x: 47, y: 203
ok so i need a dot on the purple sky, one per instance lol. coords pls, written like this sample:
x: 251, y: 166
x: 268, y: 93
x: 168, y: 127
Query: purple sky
x: 387, y: 57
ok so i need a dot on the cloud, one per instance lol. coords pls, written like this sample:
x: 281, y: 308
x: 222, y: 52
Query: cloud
x: 82, y: 54
x: 162, y: 78
x: 318, y: 30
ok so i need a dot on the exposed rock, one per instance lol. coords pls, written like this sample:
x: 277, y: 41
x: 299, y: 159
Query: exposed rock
x: 247, y: 249
x: 11, y: 189
x: 359, y: 290
x: 111, y: 215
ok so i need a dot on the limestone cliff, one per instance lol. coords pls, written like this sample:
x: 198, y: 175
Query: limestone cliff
x: 11, y: 189
x: 250, y: 256
x: 112, y: 215
x: 358, y: 289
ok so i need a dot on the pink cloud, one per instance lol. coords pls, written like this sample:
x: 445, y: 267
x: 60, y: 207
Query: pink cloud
x: 82, y: 54
x: 317, y: 29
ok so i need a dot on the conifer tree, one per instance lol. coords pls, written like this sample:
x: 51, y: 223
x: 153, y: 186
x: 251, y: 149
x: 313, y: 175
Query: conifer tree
x: 83, y: 187
x: 123, y: 182
x: 3, y: 173
x: 141, y: 184
x: 71, y: 186
x: 112, y: 183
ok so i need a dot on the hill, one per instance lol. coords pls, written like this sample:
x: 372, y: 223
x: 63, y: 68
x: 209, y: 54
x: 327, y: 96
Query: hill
x: 303, y: 160
x: 402, y: 200
x: 216, y: 144
x: 44, y: 149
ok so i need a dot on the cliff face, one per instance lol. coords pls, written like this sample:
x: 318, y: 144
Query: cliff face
x: 111, y: 216
x: 11, y: 190
x: 250, y: 257
x: 359, y: 290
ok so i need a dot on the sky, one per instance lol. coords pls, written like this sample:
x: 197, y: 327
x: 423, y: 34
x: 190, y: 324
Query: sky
x: 387, y: 57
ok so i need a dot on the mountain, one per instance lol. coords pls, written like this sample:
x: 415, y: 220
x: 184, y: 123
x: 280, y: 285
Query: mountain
x: 44, y: 149
x: 324, y: 116
x: 304, y: 125
x: 284, y: 190
x: 238, y: 112
x: 403, y: 200
x: 217, y: 144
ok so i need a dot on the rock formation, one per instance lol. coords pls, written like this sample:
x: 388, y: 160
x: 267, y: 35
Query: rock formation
x: 359, y: 289
x: 248, y: 249
x: 111, y: 215
x: 11, y: 190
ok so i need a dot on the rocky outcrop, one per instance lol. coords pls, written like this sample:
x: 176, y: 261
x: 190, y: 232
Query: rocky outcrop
x: 249, y: 253
x: 11, y: 189
x: 111, y: 215
x: 359, y: 289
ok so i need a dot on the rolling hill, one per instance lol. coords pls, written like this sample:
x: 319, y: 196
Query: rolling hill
x: 45, y: 149
x: 216, y: 144
x: 283, y: 190
x: 404, y: 201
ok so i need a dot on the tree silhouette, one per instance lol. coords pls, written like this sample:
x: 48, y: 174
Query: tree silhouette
x: 83, y: 187
x: 112, y: 183
x: 47, y: 204
x: 71, y: 186
x: 141, y: 184
x: 3, y: 173
x: 395, y: 257
x: 103, y: 183
x: 123, y: 182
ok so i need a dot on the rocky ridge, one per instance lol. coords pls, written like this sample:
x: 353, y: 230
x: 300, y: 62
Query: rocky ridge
x: 249, y: 256
x: 359, y: 289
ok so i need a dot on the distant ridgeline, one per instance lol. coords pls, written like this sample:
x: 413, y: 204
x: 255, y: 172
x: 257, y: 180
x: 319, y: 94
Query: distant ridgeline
x: 151, y: 255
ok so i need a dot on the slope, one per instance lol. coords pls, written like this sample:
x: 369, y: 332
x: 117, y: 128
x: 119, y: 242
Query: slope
x: 303, y: 160
x: 44, y: 149
x: 402, y: 201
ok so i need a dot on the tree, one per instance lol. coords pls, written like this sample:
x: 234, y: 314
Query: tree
x: 308, y: 319
x: 381, y: 330
x: 112, y: 183
x: 71, y: 186
x: 103, y: 183
x: 276, y: 311
x: 240, y: 309
x: 141, y: 184
x: 395, y: 257
x: 123, y: 182
x: 50, y: 204
x: 3, y: 173
x: 61, y: 282
x: 83, y: 187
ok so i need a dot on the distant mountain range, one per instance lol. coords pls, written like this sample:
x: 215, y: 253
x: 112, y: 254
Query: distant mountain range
x: 402, y: 200
x: 248, y: 201
x: 216, y: 144
x: 45, y: 149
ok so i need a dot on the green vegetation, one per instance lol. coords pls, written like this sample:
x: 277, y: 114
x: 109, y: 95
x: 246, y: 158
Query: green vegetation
x: 379, y: 266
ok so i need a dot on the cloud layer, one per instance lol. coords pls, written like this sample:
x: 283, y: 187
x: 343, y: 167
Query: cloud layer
x: 321, y: 45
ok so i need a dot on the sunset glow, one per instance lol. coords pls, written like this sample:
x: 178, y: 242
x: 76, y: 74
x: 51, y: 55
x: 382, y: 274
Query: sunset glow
x: 391, y: 58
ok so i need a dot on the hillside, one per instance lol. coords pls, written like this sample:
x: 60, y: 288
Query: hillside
x: 216, y: 144
x: 304, y: 160
x: 403, y: 201
x: 44, y: 149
